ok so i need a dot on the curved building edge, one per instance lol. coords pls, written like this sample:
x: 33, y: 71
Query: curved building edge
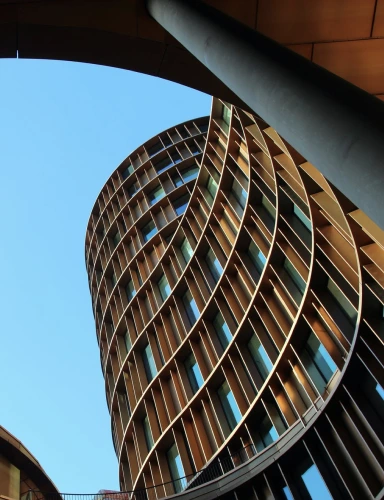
x: 20, y: 472
x: 258, y: 369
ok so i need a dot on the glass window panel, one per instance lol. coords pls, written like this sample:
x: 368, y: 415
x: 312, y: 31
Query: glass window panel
x: 132, y: 189
x: 193, y: 372
x: 213, y: 265
x: 186, y: 250
x: 181, y: 204
x: 226, y: 116
x: 163, y: 164
x: 267, y: 434
x: 147, y: 433
x: 130, y: 290
x: 127, y: 341
x: 260, y: 357
x: 190, y: 173
x: 194, y: 148
x: 238, y: 197
x: 318, y: 363
x: 164, y: 287
x: 256, y: 256
x: 155, y: 149
x: 190, y: 307
x: 229, y: 405
x: 149, y: 230
x: 166, y: 140
x: 176, y: 469
x: 127, y: 172
x: 268, y: 206
x: 176, y: 158
x: 211, y: 186
x: 177, y: 180
x: 315, y: 484
x: 380, y: 390
x: 222, y: 330
x: 116, y: 238
x: 294, y: 275
x: 302, y: 217
x: 321, y: 357
x: 287, y: 493
x: 156, y: 195
x: 343, y: 302
x: 149, y: 363
x: 113, y: 279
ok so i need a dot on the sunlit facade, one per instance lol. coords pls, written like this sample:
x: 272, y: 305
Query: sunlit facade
x: 238, y: 299
x: 21, y: 475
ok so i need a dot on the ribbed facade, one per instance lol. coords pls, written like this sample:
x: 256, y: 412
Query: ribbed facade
x: 250, y: 319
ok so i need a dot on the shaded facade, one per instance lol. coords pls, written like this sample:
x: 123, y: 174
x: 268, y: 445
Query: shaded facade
x: 346, y: 37
x: 20, y: 472
x: 251, y: 321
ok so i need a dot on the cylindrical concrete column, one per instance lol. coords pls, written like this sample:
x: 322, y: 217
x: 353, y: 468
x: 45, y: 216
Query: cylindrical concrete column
x: 335, y: 125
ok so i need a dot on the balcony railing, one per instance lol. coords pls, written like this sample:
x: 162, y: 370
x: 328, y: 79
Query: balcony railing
x: 210, y: 472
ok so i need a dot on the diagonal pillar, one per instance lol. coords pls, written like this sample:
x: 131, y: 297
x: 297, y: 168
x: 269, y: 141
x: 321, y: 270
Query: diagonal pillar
x: 335, y: 125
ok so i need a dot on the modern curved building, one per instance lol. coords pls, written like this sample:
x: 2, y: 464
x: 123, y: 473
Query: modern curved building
x: 239, y: 319
x: 20, y: 472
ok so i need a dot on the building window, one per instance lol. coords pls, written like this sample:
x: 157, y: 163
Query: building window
x: 238, y: 197
x: 163, y: 164
x: 133, y: 188
x: 176, y: 469
x: 268, y: 206
x: 222, y: 329
x: 149, y: 363
x: 260, y: 357
x: 211, y: 186
x: 266, y: 435
x: 347, y: 308
x: 127, y: 341
x: 176, y: 158
x: 149, y: 230
x: 186, y: 250
x: 130, y: 290
x: 380, y: 391
x: 166, y: 140
x: 193, y: 372
x: 230, y: 408
x: 164, y: 287
x: 190, y: 173
x: 147, y: 433
x: 113, y: 279
x: 257, y: 257
x: 318, y: 363
x: 127, y: 172
x: 155, y: 149
x: 177, y: 180
x: 123, y: 399
x: 190, y: 307
x: 315, y: 484
x: 213, y: 265
x: 156, y: 195
x: 194, y: 149
x: 203, y: 127
x: 180, y: 204
x: 226, y: 116
x: 294, y: 275
x: 116, y: 238
x: 302, y: 217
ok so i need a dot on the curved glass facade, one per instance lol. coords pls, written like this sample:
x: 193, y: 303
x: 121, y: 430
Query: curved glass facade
x: 239, y: 311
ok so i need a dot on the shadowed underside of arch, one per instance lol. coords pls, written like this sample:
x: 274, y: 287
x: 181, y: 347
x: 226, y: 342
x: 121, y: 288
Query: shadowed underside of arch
x: 346, y: 37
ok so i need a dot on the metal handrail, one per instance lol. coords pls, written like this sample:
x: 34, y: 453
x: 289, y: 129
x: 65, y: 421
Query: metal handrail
x: 213, y: 470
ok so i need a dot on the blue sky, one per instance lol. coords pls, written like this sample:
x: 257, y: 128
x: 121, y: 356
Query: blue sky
x: 64, y: 128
